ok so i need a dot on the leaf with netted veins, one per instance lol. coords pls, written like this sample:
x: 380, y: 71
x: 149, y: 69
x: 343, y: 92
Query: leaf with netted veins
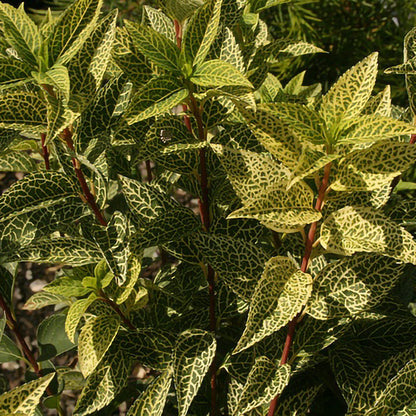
x: 349, y: 95
x: 23, y: 110
x: 231, y: 52
x: 75, y: 313
x: 158, y: 96
x: 304, y: 122
x: 72, y: 29
x: 399, y: 392
x: 260, y: 182
x: 152, y: 401
x: 352, y: 285
x: 298, y: 402
x: 25, y: 399
x: 104, y: 384
x: 160, y: 22
x: 353, y: 229
x: 374, y: 167
x: 68, y: 250
x: 20, y: 32
x: 192, y: 356
x: 17, y: 162
x: 13, y: 71
x: 297, y: 49
x: 374, y: 383
x: 368, y: 129
x: 36, y: 191
x: 380, y: 104
x: 42, y: 299
x: 265, y: 381
x: 218, y: 73
x: 87, y: 67
x: 154, y: 46
x: 201, y: 31
x: 280, y: 294
x: 273, y: 134
x: 94, y: 340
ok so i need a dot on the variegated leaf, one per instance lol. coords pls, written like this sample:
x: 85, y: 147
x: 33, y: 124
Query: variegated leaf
x: 75, y: 314
x: 42, y: 299
x: 152, y: 401
x: 371, y: 387
x: 261, y: 184
x: 17, y: 162
x: 21, y: 110
x: 192, y: 356
x: 94, y: 340
x: 353, y: 229
x: 158, y: 96
x: 68, y: 250
x: 104, y: 384
x: 374, y: 167
x: 72, y: 28
x: 20, y: 32
x: 298, y: 403
x: 349, y: 95
x: 231, y: 52
x: 13, y: 72
x: 352, y: 285
x: 201, y: 31
x: 218, y: 73
x: 280, y: 294
x: 154, y: 46
x: 25, y: 399
x: 380, y: 104
x: 368, y: 129
x: 297, y: 49
x: 160, y: 22
x: 264, y: 382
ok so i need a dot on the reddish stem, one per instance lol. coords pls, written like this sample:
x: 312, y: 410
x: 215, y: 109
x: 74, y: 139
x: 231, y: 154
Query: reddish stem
x: 178, y: 33
x: 116, y: 309
x: 149, y: 171
x: 81, y: 179
x: 45, y: 151
x: 304, y: 267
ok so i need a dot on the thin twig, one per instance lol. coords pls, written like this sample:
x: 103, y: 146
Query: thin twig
x: 117, y: 310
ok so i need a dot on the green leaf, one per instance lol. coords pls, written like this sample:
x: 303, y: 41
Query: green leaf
x: 36, y: 191
x: 72, y: 28
x: 374, y: 167
x: 7, y: 278
x: 399, y: 392
x: 8, y: 350
x: 68, y: 250
x: 20, y: 32
x: 218, y: 73
x: 75, y: 314
x: 264, y: 382
x: 23, y: 110
x: 192, y: 356
x: 51, y: 337
x: 104, y: 384
x: 304, y: 122
x: 298, y: 403
x: 280, y: 294
x: 154, y: 46
x: 67, y: 287
x: 352, y: 285
x: 152, y: 401
x: 353, y: 229
x: 13, y: 72
x: 371, y: 387
x: 380, y: 104
x: 368, y: 129
x: 95, y: 339
x: 181, y: 9
x: 41, y: 299
x: 265, y: 200
x: 24, y: 399
x: 201, y: 31
x: 297, y: 49
x: 158, y: 96
x: 349, y: 95
x: 17, y: 162
x: 160, y: 22
x: 87, y: 67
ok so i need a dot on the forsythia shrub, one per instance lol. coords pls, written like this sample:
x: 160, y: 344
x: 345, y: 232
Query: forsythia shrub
x: 281, y: 295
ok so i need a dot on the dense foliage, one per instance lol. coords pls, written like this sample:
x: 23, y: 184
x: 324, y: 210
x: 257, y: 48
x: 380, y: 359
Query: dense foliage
x: 280, y: 293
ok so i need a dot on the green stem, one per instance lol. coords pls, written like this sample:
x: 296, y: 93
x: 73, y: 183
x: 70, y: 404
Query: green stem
x: 304, y: 267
